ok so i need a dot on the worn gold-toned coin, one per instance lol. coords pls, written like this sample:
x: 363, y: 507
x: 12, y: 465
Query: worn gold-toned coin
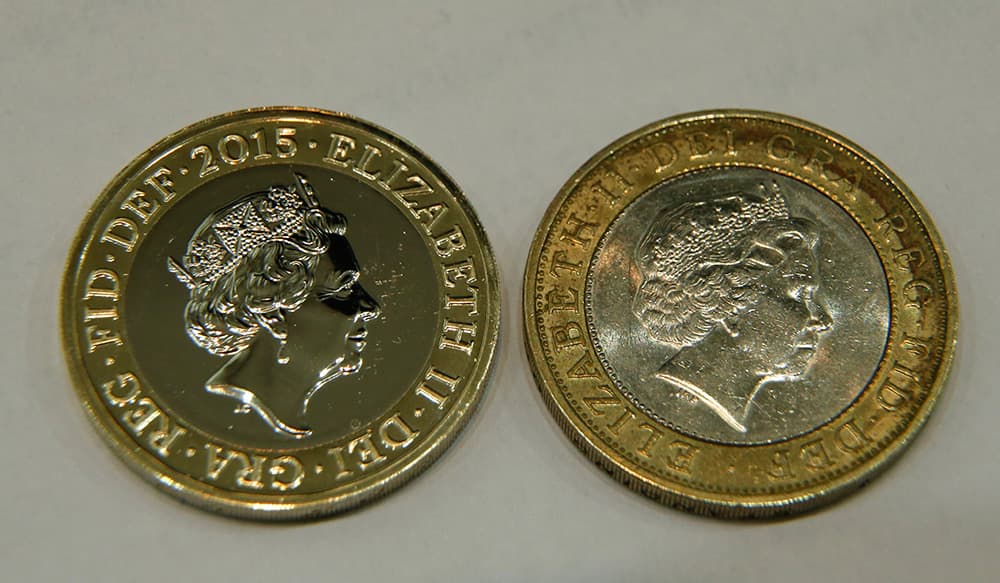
x: 739, y: 313
x: 280, y: 312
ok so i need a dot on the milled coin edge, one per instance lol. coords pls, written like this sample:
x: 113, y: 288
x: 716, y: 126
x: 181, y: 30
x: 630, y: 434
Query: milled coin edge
x: 734, y: 507
x: 234, y: 504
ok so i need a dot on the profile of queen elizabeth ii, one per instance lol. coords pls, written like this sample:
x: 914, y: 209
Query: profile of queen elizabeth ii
x: 273, y: 289
x: 731, y: 282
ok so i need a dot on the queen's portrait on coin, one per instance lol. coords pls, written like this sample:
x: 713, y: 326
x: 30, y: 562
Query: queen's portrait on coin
x: 731, y: 283
x: 274, y: 289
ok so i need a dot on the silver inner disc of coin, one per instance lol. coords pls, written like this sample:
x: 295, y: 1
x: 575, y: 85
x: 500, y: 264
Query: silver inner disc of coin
x: 278, y: 321
x: 738, y: 305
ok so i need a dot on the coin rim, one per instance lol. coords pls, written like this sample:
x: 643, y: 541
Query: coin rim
x: 280, y: 506
x: 729, y: 505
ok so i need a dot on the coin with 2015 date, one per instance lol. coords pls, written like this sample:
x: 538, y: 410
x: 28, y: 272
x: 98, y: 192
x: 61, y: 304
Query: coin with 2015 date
x: 739, y: 313
x: 280, y: 313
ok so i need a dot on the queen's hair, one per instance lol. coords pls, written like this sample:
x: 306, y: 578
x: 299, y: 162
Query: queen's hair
x: 224, y: 315
x: 703, y: 263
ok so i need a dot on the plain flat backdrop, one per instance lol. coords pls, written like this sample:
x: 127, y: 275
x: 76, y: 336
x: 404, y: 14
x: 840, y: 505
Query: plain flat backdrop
x: 510, y: 98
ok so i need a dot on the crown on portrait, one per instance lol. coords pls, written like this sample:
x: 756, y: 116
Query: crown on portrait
x: 679, y: 236
x: 233, y: 232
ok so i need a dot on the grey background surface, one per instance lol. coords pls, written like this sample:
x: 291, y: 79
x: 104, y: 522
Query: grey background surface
x: 510, y: 98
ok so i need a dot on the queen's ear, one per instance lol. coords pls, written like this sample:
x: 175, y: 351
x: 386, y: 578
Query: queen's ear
x: 274, y: 323
x: 731, y: 326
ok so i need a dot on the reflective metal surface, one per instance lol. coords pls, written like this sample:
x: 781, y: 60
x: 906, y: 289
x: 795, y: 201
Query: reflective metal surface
x: 724, y: 302
x: 394, y: 268
x: 739, y: 313
x: 280, y: 313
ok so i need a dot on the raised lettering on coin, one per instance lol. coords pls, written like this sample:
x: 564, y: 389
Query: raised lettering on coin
x: 739, y: 314
x: 280, y: 313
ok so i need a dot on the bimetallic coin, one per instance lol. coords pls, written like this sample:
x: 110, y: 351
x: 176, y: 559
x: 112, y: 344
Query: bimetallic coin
x: 739, y: 313
x: 280, y: 313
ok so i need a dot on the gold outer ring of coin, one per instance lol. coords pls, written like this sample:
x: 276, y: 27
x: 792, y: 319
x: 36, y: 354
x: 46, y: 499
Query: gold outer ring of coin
x: 777, y: 478
x: 262, y: 483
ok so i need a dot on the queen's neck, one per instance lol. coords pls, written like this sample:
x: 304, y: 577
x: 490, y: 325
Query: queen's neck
x: 717, y: 373
x: 274, y: 391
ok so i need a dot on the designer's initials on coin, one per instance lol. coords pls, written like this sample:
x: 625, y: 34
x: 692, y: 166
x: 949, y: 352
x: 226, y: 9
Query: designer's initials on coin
x: 740, y: 313
x: 280, y: 312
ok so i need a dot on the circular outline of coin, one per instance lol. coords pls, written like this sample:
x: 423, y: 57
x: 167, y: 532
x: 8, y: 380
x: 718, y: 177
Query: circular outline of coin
x: 213, y: 470
x: 662, y: 460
